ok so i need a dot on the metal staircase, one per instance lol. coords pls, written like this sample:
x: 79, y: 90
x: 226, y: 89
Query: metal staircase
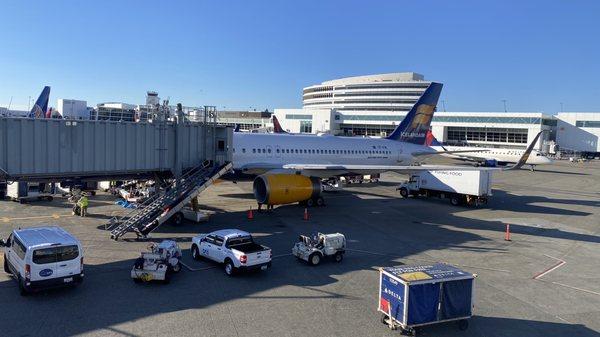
x: 159, y: 208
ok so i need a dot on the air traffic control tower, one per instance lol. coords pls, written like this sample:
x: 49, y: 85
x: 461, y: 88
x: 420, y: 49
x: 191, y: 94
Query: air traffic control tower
x: 186, y: 156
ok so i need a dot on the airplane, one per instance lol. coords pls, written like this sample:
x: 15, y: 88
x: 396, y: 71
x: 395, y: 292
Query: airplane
x: 290, y: 167
x: 488, y: 156
x: 277, y: 127
x: 40, y: 108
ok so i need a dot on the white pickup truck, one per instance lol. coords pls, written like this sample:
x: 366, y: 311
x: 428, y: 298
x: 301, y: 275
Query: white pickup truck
x: 234, y: 248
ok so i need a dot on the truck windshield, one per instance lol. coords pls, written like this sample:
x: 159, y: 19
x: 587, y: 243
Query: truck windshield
x: 55, y: 254
x: 236, y: 242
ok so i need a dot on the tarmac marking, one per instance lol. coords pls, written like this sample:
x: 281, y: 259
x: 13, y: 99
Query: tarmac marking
x: 576, y: 288
x: 554, y: 267
x: 52, y: 216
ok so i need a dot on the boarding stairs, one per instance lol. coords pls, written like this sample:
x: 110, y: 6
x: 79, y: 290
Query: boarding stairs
x: 162, y: 206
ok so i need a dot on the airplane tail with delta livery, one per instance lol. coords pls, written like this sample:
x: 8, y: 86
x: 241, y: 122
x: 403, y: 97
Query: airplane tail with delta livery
x: 416, y: 124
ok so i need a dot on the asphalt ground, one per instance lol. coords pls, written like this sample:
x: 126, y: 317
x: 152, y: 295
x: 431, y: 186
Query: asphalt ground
x: 553, y: 215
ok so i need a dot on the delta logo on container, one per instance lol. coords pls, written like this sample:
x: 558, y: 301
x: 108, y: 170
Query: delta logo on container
x: 46, y: 272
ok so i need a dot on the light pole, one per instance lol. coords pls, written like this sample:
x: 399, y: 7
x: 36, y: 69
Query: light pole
x: 444, y: 104
x: 504, y: 101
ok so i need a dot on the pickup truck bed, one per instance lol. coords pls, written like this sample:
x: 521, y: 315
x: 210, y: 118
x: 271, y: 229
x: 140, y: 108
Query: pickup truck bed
x: 248, y: 248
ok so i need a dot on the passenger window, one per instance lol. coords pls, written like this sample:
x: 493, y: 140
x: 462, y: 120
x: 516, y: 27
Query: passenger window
x: 269, y: 150
x: 253, y: 150
x: 19, y: 248
x: 210, y: 239
x: 277, y: 150
x: 218, y: 241
x: 244, y: 150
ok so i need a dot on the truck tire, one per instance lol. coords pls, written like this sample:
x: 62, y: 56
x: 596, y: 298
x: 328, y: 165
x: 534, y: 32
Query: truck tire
x: 177, y: 218
x: 314, y: 259
x: 6, y: 269
x: 195, y: 253
x: 404, y: 192
x: 455, y: 200
x: 229, y: 267
x: 338, y: 257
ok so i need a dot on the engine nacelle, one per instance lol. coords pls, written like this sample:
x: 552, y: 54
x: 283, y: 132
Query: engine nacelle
x: 279, y: 189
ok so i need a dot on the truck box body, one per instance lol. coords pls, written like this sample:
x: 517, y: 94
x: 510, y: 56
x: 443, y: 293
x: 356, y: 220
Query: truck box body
x: 477, y: 183
x: 425, y: 294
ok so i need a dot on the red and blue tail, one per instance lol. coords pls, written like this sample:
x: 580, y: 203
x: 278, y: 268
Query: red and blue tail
x: 416, y: 124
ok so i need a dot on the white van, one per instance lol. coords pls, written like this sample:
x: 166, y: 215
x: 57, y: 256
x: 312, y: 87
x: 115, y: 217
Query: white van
x: 43, y: 257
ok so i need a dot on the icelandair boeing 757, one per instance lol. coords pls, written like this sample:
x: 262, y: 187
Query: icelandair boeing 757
x: 291, y: 166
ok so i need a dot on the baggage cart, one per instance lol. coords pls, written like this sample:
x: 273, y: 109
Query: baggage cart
x: 419, y: 295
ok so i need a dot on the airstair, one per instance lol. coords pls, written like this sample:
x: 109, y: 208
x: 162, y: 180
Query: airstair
x: 157, y: 209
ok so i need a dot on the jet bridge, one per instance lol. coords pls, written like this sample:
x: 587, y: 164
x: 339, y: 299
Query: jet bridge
x: 37, y: 149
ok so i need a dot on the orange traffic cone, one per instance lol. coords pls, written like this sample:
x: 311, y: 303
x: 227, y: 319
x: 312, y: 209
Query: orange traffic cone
x: 507, y: 234
x: 305, y: 214
x: 250, y: 214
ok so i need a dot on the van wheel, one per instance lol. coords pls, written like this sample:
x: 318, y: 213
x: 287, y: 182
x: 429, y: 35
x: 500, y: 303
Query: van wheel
x: 314, y: 259
x: 6, y: 269
x: 178, y: 218
x: 455, y: 200
x: 320, y: 201
x: 229, y: 268
x: 404, y: 192
x: 195, y: 253
x: 338, y: 257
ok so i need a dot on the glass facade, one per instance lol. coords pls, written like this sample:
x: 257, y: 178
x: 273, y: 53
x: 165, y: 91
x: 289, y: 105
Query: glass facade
x: 305, y: 127
x: 588, y: 124
x: 460, y: 135
x: 306, y: 117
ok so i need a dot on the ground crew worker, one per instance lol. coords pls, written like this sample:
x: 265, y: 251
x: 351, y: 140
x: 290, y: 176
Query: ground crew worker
x: 83, y: 205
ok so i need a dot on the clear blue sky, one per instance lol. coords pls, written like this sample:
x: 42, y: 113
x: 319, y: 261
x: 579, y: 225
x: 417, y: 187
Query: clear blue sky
x: 237, y: 54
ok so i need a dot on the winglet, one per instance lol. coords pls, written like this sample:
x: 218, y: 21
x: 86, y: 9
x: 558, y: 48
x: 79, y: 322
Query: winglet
x: 276, y: 126
x: 526, y: 154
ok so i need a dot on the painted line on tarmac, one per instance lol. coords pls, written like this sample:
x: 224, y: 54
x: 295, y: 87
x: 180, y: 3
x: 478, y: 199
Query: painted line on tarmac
x: 576, y: 288
x: 213, y: 267
x: 426, y: 260
x: 52, y: 216
x: 553, y: 268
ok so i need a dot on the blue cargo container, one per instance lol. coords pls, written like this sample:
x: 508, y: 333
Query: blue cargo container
x: 413, y: 296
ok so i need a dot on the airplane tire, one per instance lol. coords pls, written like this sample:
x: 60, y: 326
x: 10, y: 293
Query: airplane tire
x: 310, y: 202
x: 320, y: 201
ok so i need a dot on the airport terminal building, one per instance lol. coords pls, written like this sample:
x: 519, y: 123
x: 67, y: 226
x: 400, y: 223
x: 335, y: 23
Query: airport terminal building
x: 373, y: 105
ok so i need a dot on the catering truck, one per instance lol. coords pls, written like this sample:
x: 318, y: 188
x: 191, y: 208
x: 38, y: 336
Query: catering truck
x: 461, y: 187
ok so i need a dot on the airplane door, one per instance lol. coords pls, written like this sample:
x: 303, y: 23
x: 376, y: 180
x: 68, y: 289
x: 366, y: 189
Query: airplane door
x: 269, y: 151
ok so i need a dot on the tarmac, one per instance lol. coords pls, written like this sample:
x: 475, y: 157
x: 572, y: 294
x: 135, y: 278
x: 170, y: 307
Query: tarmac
x: 544, y: 282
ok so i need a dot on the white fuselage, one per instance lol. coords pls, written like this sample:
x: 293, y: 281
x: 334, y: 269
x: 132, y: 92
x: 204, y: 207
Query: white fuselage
x: 501, y: 155
x: 259, y: 153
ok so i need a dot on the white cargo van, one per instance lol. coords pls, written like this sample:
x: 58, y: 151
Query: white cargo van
x: 43, y: 257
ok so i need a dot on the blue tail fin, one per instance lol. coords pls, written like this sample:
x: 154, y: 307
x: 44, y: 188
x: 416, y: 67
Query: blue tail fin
x: 41, y: 105
x: 414, y: 127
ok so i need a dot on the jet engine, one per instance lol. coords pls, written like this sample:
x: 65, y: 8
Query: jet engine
x: 279, y: 189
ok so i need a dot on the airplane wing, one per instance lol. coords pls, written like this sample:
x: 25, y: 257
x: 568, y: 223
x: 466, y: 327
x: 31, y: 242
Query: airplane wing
x: 359, y: 169
x: 418, y: 154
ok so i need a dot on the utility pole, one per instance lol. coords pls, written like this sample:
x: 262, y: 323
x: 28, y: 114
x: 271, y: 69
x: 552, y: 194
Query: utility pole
x: 504, y: 101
